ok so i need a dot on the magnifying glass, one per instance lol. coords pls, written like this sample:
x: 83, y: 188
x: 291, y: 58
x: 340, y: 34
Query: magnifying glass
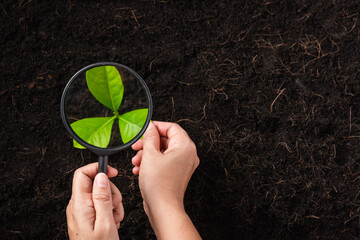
x: 106, y: 107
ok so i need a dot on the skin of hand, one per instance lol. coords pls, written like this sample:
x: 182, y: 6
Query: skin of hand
x: 165, y: 162
x: 95, y: 209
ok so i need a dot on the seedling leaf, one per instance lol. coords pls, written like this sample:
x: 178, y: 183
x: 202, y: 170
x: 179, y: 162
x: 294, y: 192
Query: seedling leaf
x: 131, y: 123
x: 105, y: 84
x: 95, y: 131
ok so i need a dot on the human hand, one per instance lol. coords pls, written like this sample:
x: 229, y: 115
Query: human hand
x: 165, y: 162
x: 95, y: 209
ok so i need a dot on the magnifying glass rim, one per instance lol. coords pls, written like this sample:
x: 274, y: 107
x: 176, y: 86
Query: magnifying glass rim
x: 98, y: 150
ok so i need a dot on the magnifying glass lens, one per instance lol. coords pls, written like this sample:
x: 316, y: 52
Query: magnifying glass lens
x: 106, y: 106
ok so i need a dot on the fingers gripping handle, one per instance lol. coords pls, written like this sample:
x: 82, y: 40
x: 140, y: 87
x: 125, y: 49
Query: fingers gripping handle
x: 103, y: 162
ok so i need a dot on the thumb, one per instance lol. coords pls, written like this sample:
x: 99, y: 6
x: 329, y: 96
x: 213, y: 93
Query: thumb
x: 151, y: 138
x: 102, y: 201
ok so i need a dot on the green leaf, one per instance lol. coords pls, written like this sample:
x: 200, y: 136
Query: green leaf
x: 131, y: 123
x: 105, y: 84
x: 95, y: 131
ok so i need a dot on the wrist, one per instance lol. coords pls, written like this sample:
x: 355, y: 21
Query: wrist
x: 166, y: 218
x: 162, y: 205
x: 160, y: 199
x: 170, y: 221
x: 163, y: 211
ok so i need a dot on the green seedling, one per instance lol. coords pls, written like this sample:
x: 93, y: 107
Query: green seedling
x: 106, y: 86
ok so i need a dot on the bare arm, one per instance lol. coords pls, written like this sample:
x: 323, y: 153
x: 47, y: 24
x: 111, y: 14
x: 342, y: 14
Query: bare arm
x: 165, y: 162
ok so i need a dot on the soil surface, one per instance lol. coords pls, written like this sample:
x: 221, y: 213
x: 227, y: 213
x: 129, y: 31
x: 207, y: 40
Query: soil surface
x: 268, y: 91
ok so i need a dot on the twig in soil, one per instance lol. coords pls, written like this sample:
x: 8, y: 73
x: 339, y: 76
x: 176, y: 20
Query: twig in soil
x: 244, y: 139
x: 132, y: 12
x: 253, y: 61
x: 221, y: 91
x: 272, y: 104
x: 212, y: 54
x: 262, y: 43
x: 226, y: 41
x: 267, y: 10
x: 151, y: 63
x: 355, y: 136
x: 312, y: 48
x: 187, y: 84
x: 42, y: 152
x: 189, y: 120
x: 16, y: 110
x: 228, y: 60
x: 82, y: 158
x: 205, y: 60
x: 305, y: 17
x: 353, y: 26
x: 287, y: 68
x: 123, y: 8
x: 21, y: 4
x: 173, y: 108
x: 240, y: 38
x: 2, y: 6
x: 286, y: 146
x: 352, y: 218
x: 73, y: 118
x: 334, y: 188
x: 71, y: 170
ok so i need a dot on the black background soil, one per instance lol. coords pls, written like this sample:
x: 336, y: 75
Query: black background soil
x: 268, y: 91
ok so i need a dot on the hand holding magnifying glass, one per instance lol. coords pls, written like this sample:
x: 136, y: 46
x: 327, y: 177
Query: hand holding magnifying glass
x: 106, y: 107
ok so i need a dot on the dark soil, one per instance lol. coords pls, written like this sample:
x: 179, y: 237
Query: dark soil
x: 268, y: 90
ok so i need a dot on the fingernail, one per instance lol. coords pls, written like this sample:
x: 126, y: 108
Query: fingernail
x: 101, y: 180
x: 151, y: 125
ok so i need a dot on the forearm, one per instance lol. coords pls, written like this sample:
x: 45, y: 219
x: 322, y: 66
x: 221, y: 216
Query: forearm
x: 170, y: 221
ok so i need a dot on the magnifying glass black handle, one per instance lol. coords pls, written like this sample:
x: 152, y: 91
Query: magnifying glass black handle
x: 103, y: 162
